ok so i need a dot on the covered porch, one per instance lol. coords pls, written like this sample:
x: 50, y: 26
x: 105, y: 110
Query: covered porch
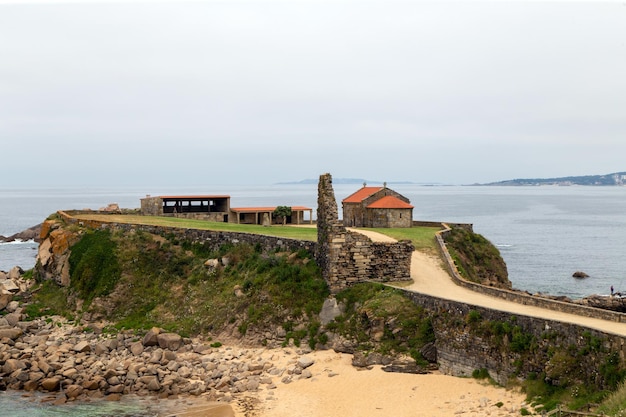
x: 264, y: 215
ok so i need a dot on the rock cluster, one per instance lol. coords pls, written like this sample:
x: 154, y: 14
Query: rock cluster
x: 32, y: 233
x: 11, y: 284
x: 45, y: 355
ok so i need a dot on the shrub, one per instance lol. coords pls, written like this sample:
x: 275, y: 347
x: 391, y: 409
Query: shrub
x: 94, y: 267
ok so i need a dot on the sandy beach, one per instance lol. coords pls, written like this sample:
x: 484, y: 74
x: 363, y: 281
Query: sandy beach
x: 336, y: 388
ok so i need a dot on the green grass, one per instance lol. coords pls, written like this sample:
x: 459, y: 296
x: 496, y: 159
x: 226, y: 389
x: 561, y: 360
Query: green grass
x: 423, y: 238
x: 49, y: 300
x: 291, y: 232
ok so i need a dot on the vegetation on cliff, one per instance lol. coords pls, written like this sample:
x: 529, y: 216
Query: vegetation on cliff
x: 138, y: 280
x: 382, y: 320
x: 476, y: 258
x: 556, y: 369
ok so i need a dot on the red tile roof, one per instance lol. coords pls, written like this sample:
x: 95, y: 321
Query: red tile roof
x: 390, y: 202
x: 361, y: 194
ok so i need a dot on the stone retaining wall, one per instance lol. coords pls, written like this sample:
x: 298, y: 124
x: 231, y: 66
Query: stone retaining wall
x: 212, y: 238
x: 461, y: 350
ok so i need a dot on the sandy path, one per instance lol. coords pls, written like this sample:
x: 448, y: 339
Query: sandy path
x: 430, y: 277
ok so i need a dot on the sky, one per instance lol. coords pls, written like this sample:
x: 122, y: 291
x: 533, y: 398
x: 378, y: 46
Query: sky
x: 99, y: 93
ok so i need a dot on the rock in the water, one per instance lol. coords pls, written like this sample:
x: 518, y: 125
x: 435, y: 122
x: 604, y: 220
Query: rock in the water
x: 51, y: 384
x: 580, y: 274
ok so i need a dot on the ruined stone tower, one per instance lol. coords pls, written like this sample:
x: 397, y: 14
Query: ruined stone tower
x: 347, y: 257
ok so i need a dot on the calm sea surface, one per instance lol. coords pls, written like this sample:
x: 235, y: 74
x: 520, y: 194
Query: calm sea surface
x: 545, y: 234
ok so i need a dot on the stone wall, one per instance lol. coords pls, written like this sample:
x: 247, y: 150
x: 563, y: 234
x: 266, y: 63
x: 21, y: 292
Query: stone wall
x: 519, y: 296
x: 390, y: 217
x: 214, y: 239
x: 347, y: 257
x: 462, y: 349
x: 152, y: 206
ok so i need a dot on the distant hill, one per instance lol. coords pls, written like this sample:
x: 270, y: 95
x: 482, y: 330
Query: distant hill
x: 617, y: 178
x: 359, y: 181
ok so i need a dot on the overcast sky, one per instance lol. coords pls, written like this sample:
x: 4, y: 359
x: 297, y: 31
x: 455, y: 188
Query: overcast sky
x: 259, y: 92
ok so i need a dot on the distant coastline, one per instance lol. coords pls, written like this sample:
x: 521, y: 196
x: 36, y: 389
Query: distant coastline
x: 603, y: 180
x: 359, y: 181
x: 614, y: 179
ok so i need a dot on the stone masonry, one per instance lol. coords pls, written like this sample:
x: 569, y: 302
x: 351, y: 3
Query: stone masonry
x: 347, y: 257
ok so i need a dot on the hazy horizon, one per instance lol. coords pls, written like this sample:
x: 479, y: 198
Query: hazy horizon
x: 210, y: 92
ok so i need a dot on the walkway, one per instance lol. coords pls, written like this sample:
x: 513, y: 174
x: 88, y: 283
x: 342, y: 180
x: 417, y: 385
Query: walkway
x: 430, y: 278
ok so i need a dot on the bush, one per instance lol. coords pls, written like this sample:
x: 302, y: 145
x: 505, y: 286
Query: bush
x: 94, y: 267
x: 476, y: 258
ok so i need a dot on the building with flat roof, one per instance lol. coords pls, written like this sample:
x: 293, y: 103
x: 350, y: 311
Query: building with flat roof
x: 217, y: 208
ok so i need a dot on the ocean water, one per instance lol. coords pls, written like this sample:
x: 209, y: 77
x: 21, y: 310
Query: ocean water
x: 17, y: 404
x: 544, y: 234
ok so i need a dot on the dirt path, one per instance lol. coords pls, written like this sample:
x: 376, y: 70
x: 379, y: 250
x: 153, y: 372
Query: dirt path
x: 430, y: 277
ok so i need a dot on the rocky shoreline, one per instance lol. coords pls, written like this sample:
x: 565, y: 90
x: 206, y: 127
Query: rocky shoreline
x: 70, y: 362
x: 32, y: 233
x: 74, y: 363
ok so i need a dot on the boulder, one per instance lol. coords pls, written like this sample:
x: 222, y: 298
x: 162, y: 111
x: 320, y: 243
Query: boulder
x: 330, y: 310
x: 150, y: 339
x: 82, y: 346
x: 73, y: 391
x: 8, y: 286
x: 12, y: 334
x: 171, y: 341
x: 136, y: 348
x: 580, y: 274
x: 212, y: 263
x: 12, y: 365
x: 305, y: 361
x: 15, y: 273
x: 5, y: 299
x: 51, y: 384
x: 13, y: 306
x: 111, y: 207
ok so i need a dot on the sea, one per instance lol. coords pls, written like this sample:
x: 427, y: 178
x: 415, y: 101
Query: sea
x: 544, y: 233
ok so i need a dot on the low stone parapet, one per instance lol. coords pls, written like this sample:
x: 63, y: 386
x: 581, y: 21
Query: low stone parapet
x: 518, y: 296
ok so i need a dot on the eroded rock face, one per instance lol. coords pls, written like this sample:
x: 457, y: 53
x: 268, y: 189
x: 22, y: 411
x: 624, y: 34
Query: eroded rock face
x: 53, y: 256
